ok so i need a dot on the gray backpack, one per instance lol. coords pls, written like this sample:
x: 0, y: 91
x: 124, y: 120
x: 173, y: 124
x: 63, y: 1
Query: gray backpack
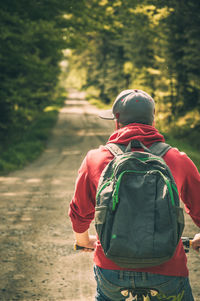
x: 138, y: 217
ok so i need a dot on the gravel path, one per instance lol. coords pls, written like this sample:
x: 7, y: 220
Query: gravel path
x: 36, y: 242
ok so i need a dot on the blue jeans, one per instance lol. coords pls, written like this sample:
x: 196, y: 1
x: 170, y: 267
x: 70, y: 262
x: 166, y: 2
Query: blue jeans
x: 110, y: 283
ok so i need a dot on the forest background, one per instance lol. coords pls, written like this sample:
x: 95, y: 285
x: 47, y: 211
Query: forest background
x: 101, y: 47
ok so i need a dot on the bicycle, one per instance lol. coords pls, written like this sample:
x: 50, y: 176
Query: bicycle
x: 144, y: 294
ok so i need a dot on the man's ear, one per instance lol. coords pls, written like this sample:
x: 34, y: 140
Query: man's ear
x: 118, y: 125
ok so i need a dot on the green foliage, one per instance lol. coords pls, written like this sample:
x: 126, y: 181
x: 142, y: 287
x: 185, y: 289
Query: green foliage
x: 32, y: 38
x: 181, y: 29
x: 24, y: 147
x: 118, y: 48
x: 115, y: 45
x: 153, y: 45
x: 31, y: 41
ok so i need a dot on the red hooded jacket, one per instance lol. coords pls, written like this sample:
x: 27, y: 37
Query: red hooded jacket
x: 187, y: 178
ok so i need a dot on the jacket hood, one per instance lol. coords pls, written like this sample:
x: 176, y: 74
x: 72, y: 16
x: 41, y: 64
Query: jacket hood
x: 145, y: 133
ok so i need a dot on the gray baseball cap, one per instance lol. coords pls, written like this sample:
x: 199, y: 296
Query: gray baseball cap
x: 131, y: 106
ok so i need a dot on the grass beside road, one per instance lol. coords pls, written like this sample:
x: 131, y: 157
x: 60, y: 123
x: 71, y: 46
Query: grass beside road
x: 26, y: 146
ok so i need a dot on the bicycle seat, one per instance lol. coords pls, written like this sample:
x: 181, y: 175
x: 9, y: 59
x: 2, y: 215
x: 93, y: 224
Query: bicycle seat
x: 138, y: 293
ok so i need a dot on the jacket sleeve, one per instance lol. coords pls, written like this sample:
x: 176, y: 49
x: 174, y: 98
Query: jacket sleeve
x: 190, y: 190
x: 82, y: 206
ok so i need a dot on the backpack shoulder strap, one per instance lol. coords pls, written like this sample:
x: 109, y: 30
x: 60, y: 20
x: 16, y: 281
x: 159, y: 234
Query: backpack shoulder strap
x: 159, y: 148
x: 115, y: 149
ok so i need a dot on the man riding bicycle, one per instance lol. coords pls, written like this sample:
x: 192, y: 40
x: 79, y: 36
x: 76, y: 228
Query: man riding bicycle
x: 133, y: 111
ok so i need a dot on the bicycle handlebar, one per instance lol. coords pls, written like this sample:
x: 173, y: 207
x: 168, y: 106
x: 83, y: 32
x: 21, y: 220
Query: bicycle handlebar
x: 187, y: 242
x: 78, y: 248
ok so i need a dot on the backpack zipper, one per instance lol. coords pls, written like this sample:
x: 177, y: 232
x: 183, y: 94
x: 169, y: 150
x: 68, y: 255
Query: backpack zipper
x: 115, y: 194
x: 116, y: 190
x: 142, y: 159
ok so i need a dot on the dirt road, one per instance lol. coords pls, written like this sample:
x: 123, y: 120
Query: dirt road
x: 37, y: 258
